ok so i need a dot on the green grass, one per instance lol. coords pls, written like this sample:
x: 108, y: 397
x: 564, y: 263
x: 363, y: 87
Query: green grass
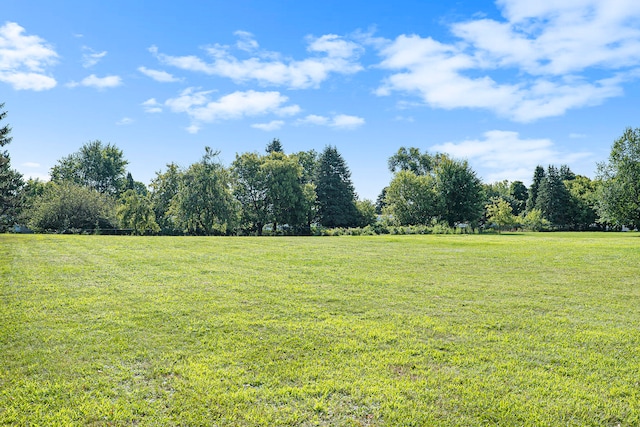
x: 457, y: 330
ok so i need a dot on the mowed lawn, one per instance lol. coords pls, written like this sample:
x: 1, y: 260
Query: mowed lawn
x: 457, y: 330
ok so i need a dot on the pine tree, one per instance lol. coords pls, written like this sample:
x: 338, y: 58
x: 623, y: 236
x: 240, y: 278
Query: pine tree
x: 554, y: 199
x: 274, y: 147
x: 11, y: 181
x: 538, y: 176
x: 336, y: 195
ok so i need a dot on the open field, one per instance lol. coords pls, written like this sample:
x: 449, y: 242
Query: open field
x: 511, y: 330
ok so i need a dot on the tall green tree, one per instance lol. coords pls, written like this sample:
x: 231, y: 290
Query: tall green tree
x: 553, y: 198
x: 285, y: 192
x: 619, y: 202
x: 274, y: 146
x: 500, y: 213
x: 583, y: 193
x: 335, y: 191
x: 538, y: 176
x: 11, y: 181
x: 135, y: 212
x: 412, y: 160
x: 460, y: 190
x: 250, y: 187
x: 164, y: 188
x: 204, y: 204
x: 413, y: 199
x: 97, y: 166
x: 519, y: 194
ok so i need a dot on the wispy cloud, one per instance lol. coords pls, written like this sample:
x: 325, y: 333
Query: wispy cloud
x: 268, y: 127
x: 339, y: 121
x: 24, y: 59
x: 199, y: 106
x: 91, y: 57
x: 152, y: 106
x: 246, y: 41
x: 329, y: 54
x: 98, y: 82
x: 124, y: 121
x: 535, y: 63
x: 158, y: 75
x: 505, y: 155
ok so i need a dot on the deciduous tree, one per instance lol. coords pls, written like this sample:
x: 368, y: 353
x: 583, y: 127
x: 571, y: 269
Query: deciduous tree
x: 204, y: 204
x: 620, y: 175
x: 136, y: 213
x: 97, y: 166
x: 71, y: 207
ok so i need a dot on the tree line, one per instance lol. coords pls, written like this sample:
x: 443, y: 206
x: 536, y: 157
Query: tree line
x: 298, y: 193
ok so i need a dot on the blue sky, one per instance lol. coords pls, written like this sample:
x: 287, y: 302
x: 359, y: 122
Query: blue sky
x: 505, y: 84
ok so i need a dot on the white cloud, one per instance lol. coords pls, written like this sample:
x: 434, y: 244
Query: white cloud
x: 314, y: 119
x: 236, y: 105
x: 271, y: 126
x: 98, y: 82
x: 246, y: 41
x: 343, y: 121
x: 92, y: 57
x: 505, y: 155
x: 152, y: 106
x: 339, y: 121
x: 338, y: 56
x: 124, y: 121
x: 30, y: 165
x: 159, y: 76
x: 536, y: 63
x: 24, y: 59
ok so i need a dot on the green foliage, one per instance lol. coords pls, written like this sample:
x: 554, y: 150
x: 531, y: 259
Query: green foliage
x: 366, y: 212
x: 583, y: 193
x: 136, y: 213
x: 519, y: 194
x: 535, y: 221
x: 68, y: 207
x: 387, y: 330
x: 412, y: 160
x: 620, y: 191
x: 336, y: 195
x: 272, y: 189
x: 412, y: 199
x: 461, y: 192
x: 250, y: 188
x: 97, y: 166
x: 204, y: 204
x: 11, y: 181
x: 274, y: 147
x: 553, y: 199
x: 500, y: 213
x: 164, y: 188
x: 538, y: 176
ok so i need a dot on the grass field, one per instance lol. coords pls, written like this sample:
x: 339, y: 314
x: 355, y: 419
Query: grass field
x: 456, y: 330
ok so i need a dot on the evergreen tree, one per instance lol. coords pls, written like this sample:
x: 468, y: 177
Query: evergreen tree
x: 11, y: 181
x: 335, y: 192
x: 553, y: 198
x: 274, y: 147
x: 519, y: 193
x: 538, y: 176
